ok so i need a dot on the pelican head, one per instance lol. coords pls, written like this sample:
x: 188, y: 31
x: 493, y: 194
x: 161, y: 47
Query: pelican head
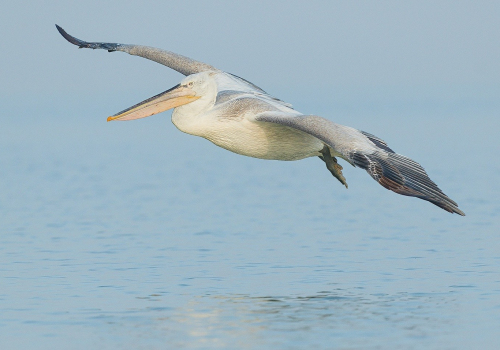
x: 194, y: 94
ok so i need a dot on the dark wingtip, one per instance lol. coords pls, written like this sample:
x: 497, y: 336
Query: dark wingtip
x: 83, y: 44
x: 446, y: 206
x: 71, y: 39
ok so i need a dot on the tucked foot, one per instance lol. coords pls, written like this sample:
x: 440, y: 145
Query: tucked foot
x: 332, y: 165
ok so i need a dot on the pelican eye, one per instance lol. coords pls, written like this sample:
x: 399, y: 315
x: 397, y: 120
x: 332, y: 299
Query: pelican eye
x: 190, y: 84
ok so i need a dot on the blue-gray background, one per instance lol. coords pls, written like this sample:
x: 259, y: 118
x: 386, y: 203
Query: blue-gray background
x: 134, y: 235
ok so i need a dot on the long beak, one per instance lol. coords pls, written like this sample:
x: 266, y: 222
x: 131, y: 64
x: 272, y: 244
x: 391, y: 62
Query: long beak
x: 174, y: 97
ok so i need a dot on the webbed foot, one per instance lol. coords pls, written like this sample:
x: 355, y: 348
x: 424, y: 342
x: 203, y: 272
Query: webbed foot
x: 332, y: 165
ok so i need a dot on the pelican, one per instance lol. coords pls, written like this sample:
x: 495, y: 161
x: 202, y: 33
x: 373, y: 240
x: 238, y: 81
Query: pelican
x: 239, y: 116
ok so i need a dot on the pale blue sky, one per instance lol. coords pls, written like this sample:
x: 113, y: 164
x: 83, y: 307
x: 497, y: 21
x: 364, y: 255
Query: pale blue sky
x: 283, y: 46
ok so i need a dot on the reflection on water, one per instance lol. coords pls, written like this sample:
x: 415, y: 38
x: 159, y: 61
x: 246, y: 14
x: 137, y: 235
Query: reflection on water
x: 339, y: 319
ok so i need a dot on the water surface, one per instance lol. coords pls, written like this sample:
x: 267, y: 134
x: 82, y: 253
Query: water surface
x: 136, y: 236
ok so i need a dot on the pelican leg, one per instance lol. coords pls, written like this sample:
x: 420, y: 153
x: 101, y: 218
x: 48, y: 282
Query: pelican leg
x: 332, y: 165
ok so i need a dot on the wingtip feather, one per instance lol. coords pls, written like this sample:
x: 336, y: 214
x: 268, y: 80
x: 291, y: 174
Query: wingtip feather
x: 72, y: 39
x: 404, y: 176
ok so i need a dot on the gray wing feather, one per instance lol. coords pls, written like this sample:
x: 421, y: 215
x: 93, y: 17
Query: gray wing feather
x: 181, y: 64
x: 391, y: 170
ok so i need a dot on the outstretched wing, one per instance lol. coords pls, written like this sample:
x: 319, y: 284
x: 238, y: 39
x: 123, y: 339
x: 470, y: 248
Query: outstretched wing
x: 393, y: 171
x: 182, y: 64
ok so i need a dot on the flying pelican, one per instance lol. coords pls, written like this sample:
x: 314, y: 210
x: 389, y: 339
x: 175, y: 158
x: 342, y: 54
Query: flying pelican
x: 239, y: 116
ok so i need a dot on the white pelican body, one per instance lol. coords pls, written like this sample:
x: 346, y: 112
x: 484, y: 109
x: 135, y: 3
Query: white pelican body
x: 237, y: 115
x: 225, y: 115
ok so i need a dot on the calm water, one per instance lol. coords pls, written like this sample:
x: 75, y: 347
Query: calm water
x: 135, y: 236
